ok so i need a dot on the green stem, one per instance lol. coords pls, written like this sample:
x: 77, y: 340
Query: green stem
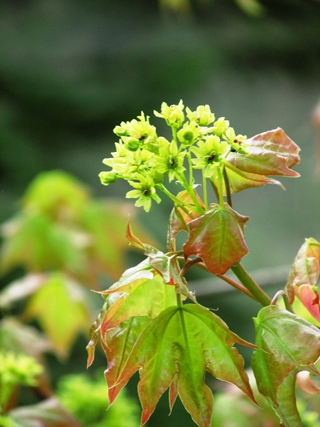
x: 188, y: 209
x: 220, y: 186
x: 250, y: 284
x: 179, y: 302
x: 285, y: 299
x: 205, y: 191
x: 236, y: 285
x: 227, y: 185
x: 199, y: 209
x: 188, y: 265
x: 174, y: 133
x: 190, y: 169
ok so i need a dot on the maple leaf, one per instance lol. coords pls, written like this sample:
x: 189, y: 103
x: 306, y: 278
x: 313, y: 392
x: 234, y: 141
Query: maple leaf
x: 240, y: 180
x: 287, y: 344
x: 137, y: 296
x: 175, y: 350
x: 268, y: 153
x: 140, y: 292
x: 218, y: 238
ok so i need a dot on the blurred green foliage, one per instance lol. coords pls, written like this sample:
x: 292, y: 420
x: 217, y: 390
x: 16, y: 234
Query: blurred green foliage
x: 87, y: 400
x: 61, y: 243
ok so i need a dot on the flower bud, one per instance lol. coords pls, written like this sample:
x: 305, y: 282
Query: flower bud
x: 120, y: 131
x: 107, y: 178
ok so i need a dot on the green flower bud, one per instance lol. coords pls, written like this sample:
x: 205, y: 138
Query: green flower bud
x: 132, y: 144
x: 107, y: 178
x: 189, y: 133
x: 120, y: 130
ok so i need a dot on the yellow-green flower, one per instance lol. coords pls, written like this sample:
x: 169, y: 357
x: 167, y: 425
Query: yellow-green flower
x: 203, y: 115
x: 170, y: 160
x: 220, y: 126
x: 173, y: 115
x: 234, y: 140
x: 145, y: 192
x: 208, y: 154
x: 139, y: 131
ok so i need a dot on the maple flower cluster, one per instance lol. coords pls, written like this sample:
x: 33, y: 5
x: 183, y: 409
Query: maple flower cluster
x: 144, y: 159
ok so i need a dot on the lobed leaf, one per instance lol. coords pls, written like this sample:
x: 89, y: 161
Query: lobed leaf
x: 175, y: 350
x: 118, y: 343
x: 218, y: 238
x: 140, y: 297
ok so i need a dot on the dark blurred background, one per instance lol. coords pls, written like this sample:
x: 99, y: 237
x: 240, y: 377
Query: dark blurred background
x: 70, y: 70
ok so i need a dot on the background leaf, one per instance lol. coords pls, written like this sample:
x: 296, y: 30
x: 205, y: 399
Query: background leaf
x: 61, y: 308
x: 48, y: 413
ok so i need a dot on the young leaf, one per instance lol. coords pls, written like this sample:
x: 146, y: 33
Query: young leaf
x: 286, y: 407
x: 118, y: 343
x: 218, y: 238
x: 286, y: 344
x: 304, y: 276
x: 165, y: 265
x: 139, y: 297
x: 240, y: 180
x: 179, y: 218
x: 269, y: 153
x: 175, y: 350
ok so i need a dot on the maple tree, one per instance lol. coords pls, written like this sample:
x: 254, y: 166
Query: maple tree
x: 151, y: 322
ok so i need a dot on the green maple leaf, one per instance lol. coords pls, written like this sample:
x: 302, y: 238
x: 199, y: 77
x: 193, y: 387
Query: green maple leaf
x: 117, y: 344
x: 143, y: 294
x: 218, y: 238
x: 140, y: 292
x: 287, y: 344
x: 174, y: 351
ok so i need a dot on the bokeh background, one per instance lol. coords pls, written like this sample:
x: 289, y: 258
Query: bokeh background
x: 70, y: 70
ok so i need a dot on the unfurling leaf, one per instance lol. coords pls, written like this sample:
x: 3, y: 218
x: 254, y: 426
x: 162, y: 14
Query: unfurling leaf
x: 218, y: 238
x: 306, y: 383
x: 240, y: 180
x: 269, y: 153
x: 287, y: 344
x: 174, y: 351
x: 142, y: 296
x: 140, y: 291
x: 304, y: 276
